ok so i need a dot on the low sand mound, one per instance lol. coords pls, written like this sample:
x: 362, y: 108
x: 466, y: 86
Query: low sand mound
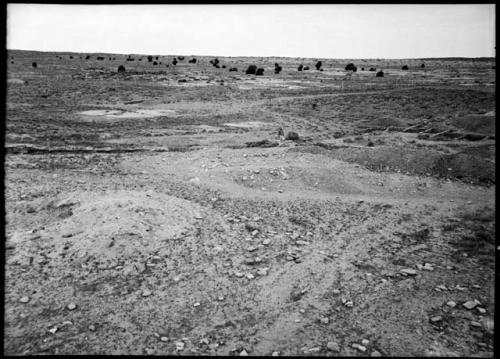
x: 118, y: 225
x: 120, y: 114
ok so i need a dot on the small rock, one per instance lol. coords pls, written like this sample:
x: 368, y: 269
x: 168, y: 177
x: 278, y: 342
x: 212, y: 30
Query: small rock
x: 428, y: 267
x: 333, y: 346
x: 481, y: 310
x: 441, y: 287
x: 197, y: 304
x: 408, y: 271
x: 53, y: 330
x: 471, y: 304
x: 146, y: 293
x: 150, y: 351
x: 177, y: 279
x: 164, y: 339
x: 275, y: 354
x: 336, y: 291
x: 314, y: 350
x: 66, y: 322
x: 324, y: 320
x: 71, y: 306
x: 475, y: 324
x: 266, y: 241
x: 250, y: 276
x: 179, y: 346
x: 376, y: 353
x: 24, y: 299
x: 243, y: 353
x: 476, y: 286
x: 436, y: 319
x: 451, y: 304
x: 359, y: 347
x: 239, y: 274
x: 365, y: 342
x: 252, y: 249
x: 263, y: 271
x: 92, y: 327
x: 349, y: 304
x: 220, y: 298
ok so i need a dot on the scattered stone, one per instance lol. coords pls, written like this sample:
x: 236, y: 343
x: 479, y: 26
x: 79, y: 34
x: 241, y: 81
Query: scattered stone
x: 150, y: 351
x: 333, y: 346
x: 471, y: 304
x: 475, y: 324
x: 314, y: 350
x: 441, y: 287
x: 204, y: 341
x: 177, y: 279
x: 266, y: 242
x: 324, y: 320
x: 376, y: 353
x: 252, y: 249
x: 179, y: 346
x: 71, y: 306
x: 301, y: 243
x: 250, y: 276
x: 408, y: 272
x: 476, y: 286
x: 359, y: 347
x: 349, y: 304
x: 365, y: 342
x: 263, y: 271
x: 481, y: 310
x: 436, y: 319
x: 197, y: 304
x: 220, y: 298
x: 428, y: 266
x: 164, y: 339
x: 254, y: 233
x: 92, y: 327
x: 239, y: 274
x: 146, y: 293
x: 24, y: 299
x: 451, y: 304
x: 53, y: 330
x: 275, y: 354
x: 336, y: 291
x: 66, y: 322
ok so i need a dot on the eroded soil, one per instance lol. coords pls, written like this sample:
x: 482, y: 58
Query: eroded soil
x: 178, y: 222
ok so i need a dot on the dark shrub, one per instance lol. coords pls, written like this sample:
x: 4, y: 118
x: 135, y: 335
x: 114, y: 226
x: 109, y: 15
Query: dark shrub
x: 155, y: 63
x: 277, y: 69
x: 34, y: 64
x: 100, y: 58
x: 351, y: 67
x: 380, y: 73
x: 223, y: 66
x: 217, y: 66
x: 318, y: 65
x: 192, y: 61
x: 293, y: 136
x: 121, y: 68
x: 87, y: 57
x: 306, y: 68
x: 179, y: 57
x: 150, y: 58
x: 372, y: 69
x: 174, y: 62
x: 362, y: 69
x: 252, y: 69
x: 71, y: 57
x: 233, y: 69
x: 405, y: 67
x: 422, y: 66
x: 260, y: 71
x: 130, y: 59
x: 300, y: 67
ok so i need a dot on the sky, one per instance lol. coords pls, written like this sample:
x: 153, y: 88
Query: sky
x: 316, y: 31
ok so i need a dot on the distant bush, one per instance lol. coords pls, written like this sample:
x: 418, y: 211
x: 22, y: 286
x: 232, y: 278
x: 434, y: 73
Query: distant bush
x: 277, y: 68
x: 121, y: 68
x: 293, y: 136
x: 34, y: 64
x: 174, y: 62
x: 130, y: 59
x: 214, y: 62
x: 155, y: 63
x: 223, y: 66
x: 251, y: 70
x: 362, y: 69
x: 380, y: 73
x: 318, y: 65
x: 100, y: 58
x: 71, y: 57
x: 300, y: 67
x: 179, y: 57
x: 372, y: 69
x: 351, y: 67
x: 405, y: 67
x: 150, y: 58
x: 233, y: 69
x: 306, y: 68
x: 260, y: 71
x: 422, y: 66
x: 192, y: 61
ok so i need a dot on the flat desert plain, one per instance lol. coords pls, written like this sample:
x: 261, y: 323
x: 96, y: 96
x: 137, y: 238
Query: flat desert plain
x: 156, y: 211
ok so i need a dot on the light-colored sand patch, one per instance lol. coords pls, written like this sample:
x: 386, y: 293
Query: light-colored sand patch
x: 15, y: 81
x: 120, y: 114
x: 248, y: 124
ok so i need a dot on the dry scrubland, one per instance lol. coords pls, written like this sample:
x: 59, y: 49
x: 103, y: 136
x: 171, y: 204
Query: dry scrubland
x: 156, y: 212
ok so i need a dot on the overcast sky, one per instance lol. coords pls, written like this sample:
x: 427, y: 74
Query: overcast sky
x: 319, y: 31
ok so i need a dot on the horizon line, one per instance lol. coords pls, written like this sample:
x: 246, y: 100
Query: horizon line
x: 257, y: 56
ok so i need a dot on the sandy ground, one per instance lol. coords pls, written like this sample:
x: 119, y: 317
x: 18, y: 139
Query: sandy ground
x: 144, y: 221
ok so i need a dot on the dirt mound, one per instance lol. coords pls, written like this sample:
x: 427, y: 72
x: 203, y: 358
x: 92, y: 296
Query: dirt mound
x: 114, y: 227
